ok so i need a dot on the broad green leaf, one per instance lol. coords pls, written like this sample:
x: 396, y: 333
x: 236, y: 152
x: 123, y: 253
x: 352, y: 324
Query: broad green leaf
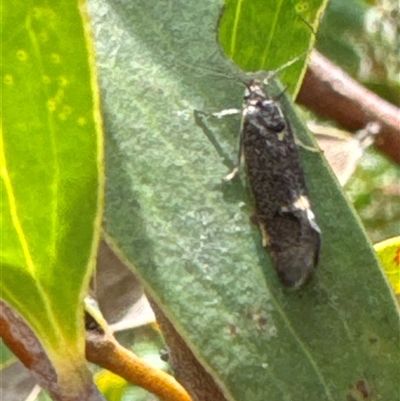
x: 51, y: 173
x: 188, y: 234
x: 260, y: 35
x: 389, y: 255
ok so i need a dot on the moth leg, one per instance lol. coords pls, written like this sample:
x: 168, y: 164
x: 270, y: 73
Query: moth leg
x: 231, y: 112
x: 300, y: 144
x: 219, y: 115
x: 236, y: 169
x: 258, y: 220
x: 201, y: 118
x: 226, y: 112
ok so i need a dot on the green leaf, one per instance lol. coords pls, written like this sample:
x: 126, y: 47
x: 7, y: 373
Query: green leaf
x: 188, y: 234
x: 260, y: 35
x: 51, y: 172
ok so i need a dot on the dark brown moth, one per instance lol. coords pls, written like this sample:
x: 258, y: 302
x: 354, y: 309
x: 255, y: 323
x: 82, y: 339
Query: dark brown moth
x: 276, y: 179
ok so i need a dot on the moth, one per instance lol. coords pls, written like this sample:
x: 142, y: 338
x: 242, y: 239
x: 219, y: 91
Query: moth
x: 276, y: 180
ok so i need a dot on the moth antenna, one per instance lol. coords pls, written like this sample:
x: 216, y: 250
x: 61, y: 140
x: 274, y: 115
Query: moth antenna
x: 272, y: 74
x: 309, y: 25
x: 232, y: 72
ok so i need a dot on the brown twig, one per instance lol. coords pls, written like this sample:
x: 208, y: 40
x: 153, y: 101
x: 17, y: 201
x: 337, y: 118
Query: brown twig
x: 19, y: 337
x: 102, y: 349
x: 332, y: 94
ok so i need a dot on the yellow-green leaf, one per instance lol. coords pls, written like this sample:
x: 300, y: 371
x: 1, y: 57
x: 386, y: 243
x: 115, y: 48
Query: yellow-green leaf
x: 51, y: 172
x: 111, y: 385
x: 389, y: 254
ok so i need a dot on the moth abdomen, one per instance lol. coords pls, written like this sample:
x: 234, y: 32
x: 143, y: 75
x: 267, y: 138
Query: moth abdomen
x: 293, y: 244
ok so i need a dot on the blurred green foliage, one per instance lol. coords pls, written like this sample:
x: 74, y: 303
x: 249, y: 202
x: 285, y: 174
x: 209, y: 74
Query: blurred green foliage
x: 363, y: 38
x: 6, y: 356
x: 375, y: 192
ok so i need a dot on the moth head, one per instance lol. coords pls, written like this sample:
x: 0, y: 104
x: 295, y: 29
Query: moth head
x: 254, y: 91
